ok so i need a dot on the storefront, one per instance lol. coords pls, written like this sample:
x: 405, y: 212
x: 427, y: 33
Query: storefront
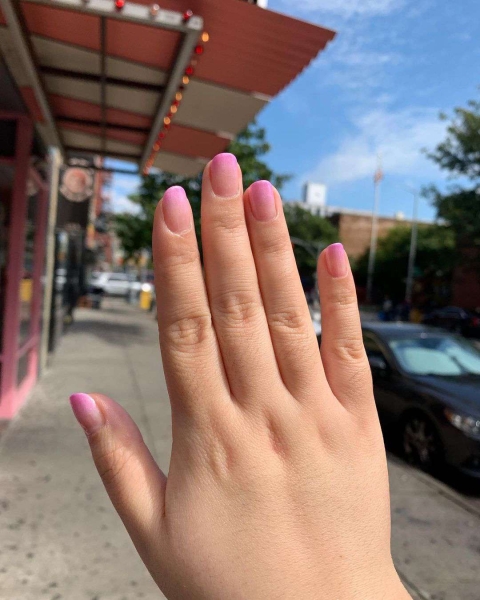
x: 163, y: 86
x: 23, y: 218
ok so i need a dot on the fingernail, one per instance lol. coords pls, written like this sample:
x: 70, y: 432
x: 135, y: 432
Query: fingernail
x: 262, y: 201
x: 176, y: 210
x: 86, y: 412
x: 224, y: 175
x: 337, y: 264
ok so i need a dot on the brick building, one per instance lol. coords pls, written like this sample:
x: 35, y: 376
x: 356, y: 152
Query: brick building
x: 355, y: 227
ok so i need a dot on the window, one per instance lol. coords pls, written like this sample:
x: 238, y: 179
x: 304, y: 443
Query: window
x: 372, y: 346
x: 118, y: 277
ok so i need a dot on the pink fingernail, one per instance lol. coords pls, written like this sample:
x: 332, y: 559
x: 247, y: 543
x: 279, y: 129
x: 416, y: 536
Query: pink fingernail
x: 86, y: 412
x: 337, y: 263
x: 224, y: 175
x: 262, y: 201
x: 176, y: 210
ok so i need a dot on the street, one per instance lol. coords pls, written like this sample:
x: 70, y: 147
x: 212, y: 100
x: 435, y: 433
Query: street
x: 61, y: 539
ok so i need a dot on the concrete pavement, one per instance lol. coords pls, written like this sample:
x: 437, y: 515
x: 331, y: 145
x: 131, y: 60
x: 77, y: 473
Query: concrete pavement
x: 61, y: 540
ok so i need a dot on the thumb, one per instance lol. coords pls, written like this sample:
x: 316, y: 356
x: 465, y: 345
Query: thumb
x: 132, y: 478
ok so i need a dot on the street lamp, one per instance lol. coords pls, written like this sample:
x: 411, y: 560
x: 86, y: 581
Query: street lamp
x: 413, y: 245
x: 314, y: 249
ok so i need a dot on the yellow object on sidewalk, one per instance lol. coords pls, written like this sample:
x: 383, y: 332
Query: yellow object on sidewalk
x: 145, y: 300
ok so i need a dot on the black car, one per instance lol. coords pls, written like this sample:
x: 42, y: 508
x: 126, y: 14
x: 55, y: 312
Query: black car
x: 455, y: 319
x: 427, y: 390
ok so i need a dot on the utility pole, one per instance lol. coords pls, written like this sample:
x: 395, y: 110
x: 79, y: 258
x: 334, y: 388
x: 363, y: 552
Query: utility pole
x: 413, y: 247
x: 373, y: 240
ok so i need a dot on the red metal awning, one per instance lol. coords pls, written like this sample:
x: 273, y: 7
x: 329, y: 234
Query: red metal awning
x: 104, y: 80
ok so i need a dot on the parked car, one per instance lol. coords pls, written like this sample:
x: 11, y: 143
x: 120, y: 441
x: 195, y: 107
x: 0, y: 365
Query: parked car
x: 112, y: 284
x: 427, y: 391
x: 455, y: 319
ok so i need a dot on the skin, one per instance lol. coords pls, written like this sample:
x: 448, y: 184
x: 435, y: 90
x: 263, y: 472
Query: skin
x: 277, y: 487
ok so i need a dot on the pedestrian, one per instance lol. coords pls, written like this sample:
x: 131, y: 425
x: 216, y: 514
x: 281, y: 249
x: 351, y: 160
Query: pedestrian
x: 387, y: 308
x: 278, y: 483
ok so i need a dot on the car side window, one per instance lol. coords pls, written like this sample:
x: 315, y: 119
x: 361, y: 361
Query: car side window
x: 372, y: 347
x: 119, y: 277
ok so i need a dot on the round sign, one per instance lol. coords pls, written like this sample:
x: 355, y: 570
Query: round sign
x: 77, y: 184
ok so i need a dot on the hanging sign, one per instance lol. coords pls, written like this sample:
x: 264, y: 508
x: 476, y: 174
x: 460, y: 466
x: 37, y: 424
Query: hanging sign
x: 77, y: 184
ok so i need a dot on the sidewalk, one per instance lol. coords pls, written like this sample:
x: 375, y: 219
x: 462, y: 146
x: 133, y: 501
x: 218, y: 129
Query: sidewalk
x: 60, y: 539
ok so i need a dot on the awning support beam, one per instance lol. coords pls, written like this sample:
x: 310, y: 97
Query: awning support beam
x: 92, y: 123
x: 148, y: 87
x: 24, y: 50
x: 194, y: 29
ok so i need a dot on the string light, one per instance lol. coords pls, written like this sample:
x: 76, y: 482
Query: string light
x: 154, y: 10
x: 119, y: 4
x: 189, y: 71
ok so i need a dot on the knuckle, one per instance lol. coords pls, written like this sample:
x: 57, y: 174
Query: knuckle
x: 228, y: 221
x: 237, y: 309
x: 277, y: 247
x: 171, y: 264
x: 187, y: 333
x: 342, y: 299
x: 290, y: 320
x: 347, y: 350
x: 112, y: 463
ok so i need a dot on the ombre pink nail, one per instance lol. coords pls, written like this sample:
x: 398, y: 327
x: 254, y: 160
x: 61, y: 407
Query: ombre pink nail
x: 86, y: 412
x: 224, y: 175
x: 176, y: 210
x: 262, y: 201
x: 337, y: 263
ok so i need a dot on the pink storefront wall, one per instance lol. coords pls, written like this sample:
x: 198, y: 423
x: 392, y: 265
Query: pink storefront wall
x: 13, y: 395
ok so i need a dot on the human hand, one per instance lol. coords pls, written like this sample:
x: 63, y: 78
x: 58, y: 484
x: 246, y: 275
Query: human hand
x: 277, y: 487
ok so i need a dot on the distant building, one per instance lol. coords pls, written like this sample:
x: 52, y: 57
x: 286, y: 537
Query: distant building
x: 354, y: 226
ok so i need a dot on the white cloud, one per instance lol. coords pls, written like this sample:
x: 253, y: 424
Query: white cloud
x: 346, y: 8
x: 398, y: 136
x: 120, y: 204
x: 122, y: 187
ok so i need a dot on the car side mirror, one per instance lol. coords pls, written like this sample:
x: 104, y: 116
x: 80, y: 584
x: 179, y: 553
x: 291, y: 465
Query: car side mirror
x: 378, y: 365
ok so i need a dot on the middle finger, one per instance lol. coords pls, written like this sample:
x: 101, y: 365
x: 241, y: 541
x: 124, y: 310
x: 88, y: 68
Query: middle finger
x: 235, y: 300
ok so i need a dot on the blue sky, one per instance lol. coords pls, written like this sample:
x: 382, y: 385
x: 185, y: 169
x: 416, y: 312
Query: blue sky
x: 378, y: 88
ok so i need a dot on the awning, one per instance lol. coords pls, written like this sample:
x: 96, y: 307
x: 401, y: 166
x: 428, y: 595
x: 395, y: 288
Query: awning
x: 166, y: 86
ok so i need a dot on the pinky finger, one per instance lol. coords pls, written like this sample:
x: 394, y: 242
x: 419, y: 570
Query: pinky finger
x: 342, y: 349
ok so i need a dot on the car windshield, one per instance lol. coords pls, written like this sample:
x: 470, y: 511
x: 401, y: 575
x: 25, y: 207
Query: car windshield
x: 436, y: 355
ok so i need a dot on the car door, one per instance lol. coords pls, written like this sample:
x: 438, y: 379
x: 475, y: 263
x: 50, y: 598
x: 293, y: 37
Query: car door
x: 388, y: 385
x: 117, y: 284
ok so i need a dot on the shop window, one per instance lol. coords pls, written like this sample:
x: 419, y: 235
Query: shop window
x: 23, y: 367
x: 26, y: 283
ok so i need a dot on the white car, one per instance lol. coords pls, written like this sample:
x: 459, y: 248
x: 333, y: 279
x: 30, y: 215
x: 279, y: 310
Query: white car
x: 113, y: 284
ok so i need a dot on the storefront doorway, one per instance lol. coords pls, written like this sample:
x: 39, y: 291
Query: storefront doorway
x: 23, y: 219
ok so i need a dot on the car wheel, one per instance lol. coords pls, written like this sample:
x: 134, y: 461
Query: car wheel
x: 420, y: 442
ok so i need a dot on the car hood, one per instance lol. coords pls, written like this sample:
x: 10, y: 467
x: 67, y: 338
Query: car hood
x: 462, y: 393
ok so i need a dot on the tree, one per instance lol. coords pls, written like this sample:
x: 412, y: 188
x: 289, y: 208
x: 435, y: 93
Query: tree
x: 134, y: 231
x: 434, y: 263
x: 460, y: 155
x: 308, y: 227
